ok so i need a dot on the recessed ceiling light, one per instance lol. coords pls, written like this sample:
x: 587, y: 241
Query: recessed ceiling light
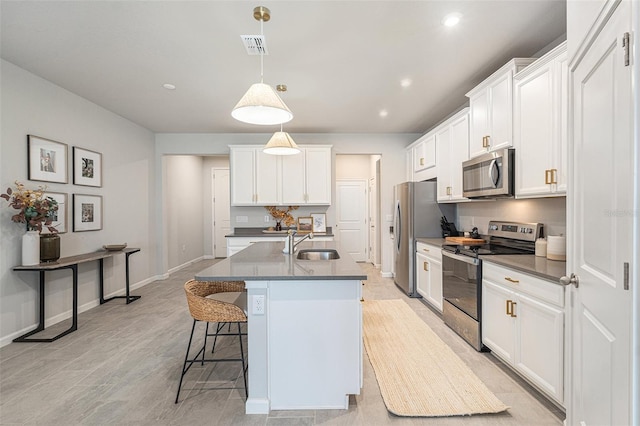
x: 405, y: 82
x: 169, y: 86
x: 383, y: 113
x: 451, y: 19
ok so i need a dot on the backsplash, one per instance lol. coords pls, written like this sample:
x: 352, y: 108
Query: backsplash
x: 255, y: 216
x: 551, y: 212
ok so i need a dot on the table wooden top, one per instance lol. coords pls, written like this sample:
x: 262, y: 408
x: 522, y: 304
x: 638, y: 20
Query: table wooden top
x: 64, y: 262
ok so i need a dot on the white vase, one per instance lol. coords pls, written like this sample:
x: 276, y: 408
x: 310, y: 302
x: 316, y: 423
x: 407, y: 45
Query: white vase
x: 31, y: 248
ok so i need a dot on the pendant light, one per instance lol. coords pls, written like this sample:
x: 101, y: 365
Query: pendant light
x: 261, y: 104
x: 281, y: 143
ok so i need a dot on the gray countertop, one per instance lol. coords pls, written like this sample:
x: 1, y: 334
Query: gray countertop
x: 257, y: 232
x: 541, y: 267
x: 264, y: 261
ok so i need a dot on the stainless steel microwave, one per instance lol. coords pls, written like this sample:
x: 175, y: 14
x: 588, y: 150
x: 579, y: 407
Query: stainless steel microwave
x: 490, y: 175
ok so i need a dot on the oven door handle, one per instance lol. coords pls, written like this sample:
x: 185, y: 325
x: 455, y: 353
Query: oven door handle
x: 461, y: 258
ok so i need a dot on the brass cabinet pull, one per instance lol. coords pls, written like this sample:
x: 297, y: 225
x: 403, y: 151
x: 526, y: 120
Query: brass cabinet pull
x: 422, y: 161
x: 485, y: 142
x: 424, y: 249
x: 554, y: 176
x: 547, y: 177
x: 425, y: 266
x: 513, y: 309
x: 448, y: 190
x: 511, y: 280
x: 508, y: 307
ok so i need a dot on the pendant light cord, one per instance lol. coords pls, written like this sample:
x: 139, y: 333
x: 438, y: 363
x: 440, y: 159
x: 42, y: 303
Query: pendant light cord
x: 262, y: 51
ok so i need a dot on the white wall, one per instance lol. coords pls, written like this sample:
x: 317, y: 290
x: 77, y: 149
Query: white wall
x: 389, y: 146
x: 184, y: 209
x: 32, y: 105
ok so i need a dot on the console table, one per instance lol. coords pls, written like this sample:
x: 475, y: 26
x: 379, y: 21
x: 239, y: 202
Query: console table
x: 72, y: 263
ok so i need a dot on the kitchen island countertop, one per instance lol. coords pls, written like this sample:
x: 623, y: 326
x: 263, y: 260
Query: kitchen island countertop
x: 264, y: 261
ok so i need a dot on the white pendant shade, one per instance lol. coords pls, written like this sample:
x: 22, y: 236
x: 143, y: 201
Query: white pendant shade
x: 281, y: 144
x: 261, y: 105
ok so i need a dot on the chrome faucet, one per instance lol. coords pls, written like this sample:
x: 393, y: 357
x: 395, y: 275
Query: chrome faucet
x: 291, y: 244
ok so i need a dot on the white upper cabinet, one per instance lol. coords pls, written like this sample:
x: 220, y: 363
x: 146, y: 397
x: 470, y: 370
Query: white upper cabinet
x: 254, y: 177
x: 540, y: 126
x: 306, y: 177
x: 259, y: 179
x: 423, y: 153
x: 452, y: 148
x: 491, y: 109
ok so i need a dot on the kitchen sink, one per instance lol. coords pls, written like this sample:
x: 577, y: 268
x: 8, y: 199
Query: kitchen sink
x: 318, y: 254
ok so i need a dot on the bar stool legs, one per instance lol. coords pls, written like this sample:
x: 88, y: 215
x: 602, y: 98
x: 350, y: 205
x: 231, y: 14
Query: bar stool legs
x: 200, y: 355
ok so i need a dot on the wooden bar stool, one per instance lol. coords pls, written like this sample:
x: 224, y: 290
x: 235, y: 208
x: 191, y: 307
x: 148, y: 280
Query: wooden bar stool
x: 205, y: 306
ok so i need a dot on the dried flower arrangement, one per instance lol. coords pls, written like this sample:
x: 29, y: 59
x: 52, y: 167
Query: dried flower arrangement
x: 35, y: 209
x: 282, y: 215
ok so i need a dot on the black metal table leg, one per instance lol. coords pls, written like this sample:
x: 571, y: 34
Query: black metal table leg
x: 127, y: 295
x: 74, y: 323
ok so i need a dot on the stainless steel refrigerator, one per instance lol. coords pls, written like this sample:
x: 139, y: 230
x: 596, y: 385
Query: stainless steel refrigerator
x: 417, y: 215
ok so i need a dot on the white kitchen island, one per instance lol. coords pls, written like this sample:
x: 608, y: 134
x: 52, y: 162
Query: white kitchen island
x: 304, y: 326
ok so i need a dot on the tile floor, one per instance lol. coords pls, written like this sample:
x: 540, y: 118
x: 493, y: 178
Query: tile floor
x: 122, y: 366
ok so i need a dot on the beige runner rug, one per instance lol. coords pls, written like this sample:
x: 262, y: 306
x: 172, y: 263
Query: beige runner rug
x: 418, y: 374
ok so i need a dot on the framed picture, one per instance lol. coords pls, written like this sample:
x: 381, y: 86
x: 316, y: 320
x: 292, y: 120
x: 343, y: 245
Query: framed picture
x: 319, y: 222
x: 87, y: 167
x: 305, y: 224
x: 60, y: 219
x: 87, y: 212
x: 47, y: 160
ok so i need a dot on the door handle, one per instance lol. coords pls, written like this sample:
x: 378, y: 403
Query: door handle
x: 509, y: 307
x: 573, y: 279
x: 494, y: 173
x: 513, y: 309
x: 547, y: 177
x: 425, y: 266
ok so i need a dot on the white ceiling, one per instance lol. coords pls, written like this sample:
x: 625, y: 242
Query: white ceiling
x: 341, y: 60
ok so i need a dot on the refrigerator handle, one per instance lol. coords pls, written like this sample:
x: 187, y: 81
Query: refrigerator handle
x: 397, y: 230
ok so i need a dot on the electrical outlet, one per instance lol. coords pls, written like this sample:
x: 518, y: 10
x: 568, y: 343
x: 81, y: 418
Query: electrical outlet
x: 257, y: 307
x: 242, y: 219
x: 267, y: 218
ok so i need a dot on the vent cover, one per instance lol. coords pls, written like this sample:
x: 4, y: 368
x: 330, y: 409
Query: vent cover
x: 255, y: 44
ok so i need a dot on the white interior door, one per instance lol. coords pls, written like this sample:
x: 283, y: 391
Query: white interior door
x: 600, y: 226
x: 221, y: 211
x: 351, y: 217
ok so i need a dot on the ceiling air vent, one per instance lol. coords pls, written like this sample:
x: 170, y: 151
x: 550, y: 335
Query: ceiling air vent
x: 255, y: 44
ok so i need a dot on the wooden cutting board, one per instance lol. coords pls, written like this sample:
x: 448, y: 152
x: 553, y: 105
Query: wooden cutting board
x: 464, y: 240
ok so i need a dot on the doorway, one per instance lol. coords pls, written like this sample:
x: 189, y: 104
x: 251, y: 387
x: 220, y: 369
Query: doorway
x: 357, y: 206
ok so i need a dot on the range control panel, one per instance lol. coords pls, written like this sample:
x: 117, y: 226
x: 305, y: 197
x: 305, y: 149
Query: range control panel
x: 516, y: 230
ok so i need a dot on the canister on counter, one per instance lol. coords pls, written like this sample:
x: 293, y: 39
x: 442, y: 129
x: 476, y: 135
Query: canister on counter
x: 557, y: 247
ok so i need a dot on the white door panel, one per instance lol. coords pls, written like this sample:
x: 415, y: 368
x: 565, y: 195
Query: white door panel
x: 600, y: 230
x: 351, y: 211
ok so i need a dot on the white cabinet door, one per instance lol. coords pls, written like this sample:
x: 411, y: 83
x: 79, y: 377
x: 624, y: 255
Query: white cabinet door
x: 539, y: 326
x: 267, y: 179
x: 429, y: 274
x: 422, y: 275
x: 452, y: 149
x: 498, y: 328
x: 479, y: 123
x: 242, y: 169
x: 540, y: 126
x: 424, y: 154
x: 501, y: 112
x: 491, y: 110
x: 293, y: 179
x: 443, y: 156
x: 318, y: 175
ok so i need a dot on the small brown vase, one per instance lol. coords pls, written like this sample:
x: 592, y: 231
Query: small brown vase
x: 49, y: 247
x: 278, y: 226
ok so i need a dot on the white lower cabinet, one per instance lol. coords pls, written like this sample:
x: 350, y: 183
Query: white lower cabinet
x: 523, y: 325
x: 429, y: 274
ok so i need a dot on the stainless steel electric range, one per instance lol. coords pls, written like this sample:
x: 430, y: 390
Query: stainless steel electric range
x: 462, y: 274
